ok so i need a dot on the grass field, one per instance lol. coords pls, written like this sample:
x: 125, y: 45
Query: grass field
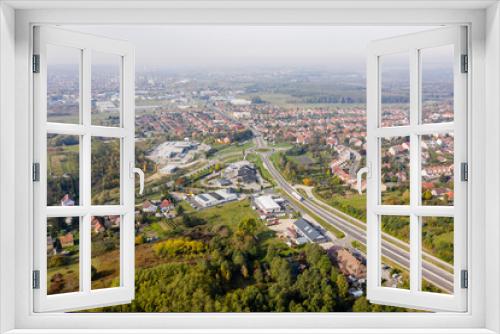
x: 107, y: 264
x: 351, y: 204
x: 63, y: 159
x: 229, y: 214
x: 256, y: 159
x: 359, y: 246
x: 233, y: 148
x: 282, y: 146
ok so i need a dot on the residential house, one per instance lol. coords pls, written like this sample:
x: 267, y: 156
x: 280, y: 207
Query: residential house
x: 67, y: 240
x: 67, y: 201
x: 349, y: 264
x: 148, y: 207
x: 166, y: 205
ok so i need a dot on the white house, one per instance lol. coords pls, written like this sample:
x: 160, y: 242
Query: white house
x: 267, y: 204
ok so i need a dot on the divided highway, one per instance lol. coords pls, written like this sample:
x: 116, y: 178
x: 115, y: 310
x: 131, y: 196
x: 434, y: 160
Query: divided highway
x: 430, y: 272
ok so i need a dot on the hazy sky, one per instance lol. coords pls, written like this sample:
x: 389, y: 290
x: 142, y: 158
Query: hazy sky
x: 338, y: 47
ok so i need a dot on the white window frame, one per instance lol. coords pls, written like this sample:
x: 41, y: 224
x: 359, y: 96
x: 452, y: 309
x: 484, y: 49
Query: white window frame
x: 410, y: 45
x: 483, y: 121
x: 86, y: 44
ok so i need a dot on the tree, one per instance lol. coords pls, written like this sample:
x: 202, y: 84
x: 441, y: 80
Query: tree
x: 244, y: 271
x: 180, y: 210
x: 313, y: 253
x: 248, y: 226
x: 93, y: 272
x: 308, y: 181
x: 427, y: 195
x: 281, y: 271
x: 225, y: 270
x: 406, y: 196
x: 342, y: 286
x: 336, y: 180
x: 139, y: 240
x: 361, y: 305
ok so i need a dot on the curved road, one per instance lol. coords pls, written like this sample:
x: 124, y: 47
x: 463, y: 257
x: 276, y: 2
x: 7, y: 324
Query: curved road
x: 432, y: 273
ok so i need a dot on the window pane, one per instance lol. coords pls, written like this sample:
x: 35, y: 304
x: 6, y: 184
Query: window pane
x: 63, y: 84
x: 395, y: 238
x: 105, y: 234
x: 63, y: 170
x: 106, y: 84
x: 395, y: 90
x: 63, y: 255
x: 395, y: 171
x: 437, y: 84
x: 105, y: 171
x: 437, y: 169
x: 438, y: 244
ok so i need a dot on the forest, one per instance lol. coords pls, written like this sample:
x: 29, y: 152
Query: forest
x: 234, y: 263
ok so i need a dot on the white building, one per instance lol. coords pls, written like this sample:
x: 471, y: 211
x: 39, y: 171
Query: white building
x: 240, y: 102
x: 214, y: 198
x: 205, y: 200
x: 169, y: 169
x: 267, y: 204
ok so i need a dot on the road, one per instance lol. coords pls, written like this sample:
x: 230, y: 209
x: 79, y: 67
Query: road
x: 431, y: 273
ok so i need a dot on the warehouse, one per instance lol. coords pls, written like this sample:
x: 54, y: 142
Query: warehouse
x: 267, y: 204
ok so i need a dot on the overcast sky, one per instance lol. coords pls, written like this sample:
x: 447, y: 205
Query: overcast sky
x: 337, y: 47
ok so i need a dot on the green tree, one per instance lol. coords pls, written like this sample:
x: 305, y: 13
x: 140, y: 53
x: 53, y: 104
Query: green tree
x: 180, y: 210
x: 280, y: 271
x: 342, y: 286
x: 225, y: 270
x: 248, y: 226
x: 427, y: 195
x: 361, y: 305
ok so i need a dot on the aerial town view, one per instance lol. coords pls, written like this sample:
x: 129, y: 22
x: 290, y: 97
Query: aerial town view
x: 250, y: 201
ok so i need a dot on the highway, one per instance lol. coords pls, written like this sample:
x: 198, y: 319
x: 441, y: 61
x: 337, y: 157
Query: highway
x: 431, y: 273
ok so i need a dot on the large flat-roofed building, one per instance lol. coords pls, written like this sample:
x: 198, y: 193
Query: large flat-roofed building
x: 214, y: 198
x: 174, y: 149
x: 308, y: 231
x: 205, y: 200
x: 267, y: 204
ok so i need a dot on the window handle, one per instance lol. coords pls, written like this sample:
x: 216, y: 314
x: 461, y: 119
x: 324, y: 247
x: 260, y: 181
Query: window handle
x: 134, y: 170
x: 360, y: 176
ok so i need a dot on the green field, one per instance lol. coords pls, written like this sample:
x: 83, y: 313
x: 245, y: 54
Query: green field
x: 352, y: 204
x: 229, y: 214
x: 232, y: 148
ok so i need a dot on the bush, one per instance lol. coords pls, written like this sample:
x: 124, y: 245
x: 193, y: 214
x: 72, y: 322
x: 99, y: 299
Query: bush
x: 173, y: 247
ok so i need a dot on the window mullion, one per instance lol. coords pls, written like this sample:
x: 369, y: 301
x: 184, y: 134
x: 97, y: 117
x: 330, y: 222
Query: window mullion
x: 85, y: 168
x: 415, y: 244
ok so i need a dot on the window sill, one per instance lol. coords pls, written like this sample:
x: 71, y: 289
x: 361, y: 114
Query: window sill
x: 15, y: 303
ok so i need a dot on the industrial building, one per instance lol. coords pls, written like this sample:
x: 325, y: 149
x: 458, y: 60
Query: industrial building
x: 206, y: 200
x: 267, y: 204
x: 305, y: 229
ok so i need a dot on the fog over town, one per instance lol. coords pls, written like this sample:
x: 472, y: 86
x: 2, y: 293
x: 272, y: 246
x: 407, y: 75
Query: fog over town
x: 250, y: 139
